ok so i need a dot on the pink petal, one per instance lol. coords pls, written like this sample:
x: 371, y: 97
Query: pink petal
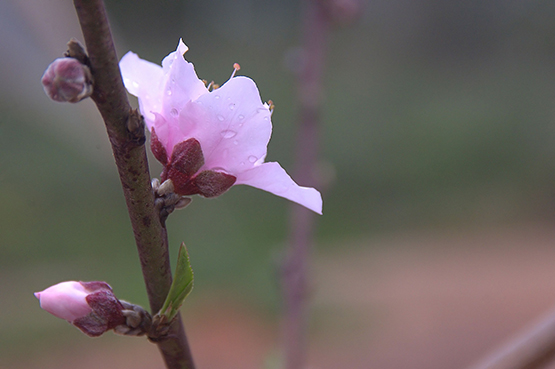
x: 144, y: 80
x: 231, y: 124
x: 164, y: 90
x: 181, y: 83
x: 66, y: 300
x: 272, y: 177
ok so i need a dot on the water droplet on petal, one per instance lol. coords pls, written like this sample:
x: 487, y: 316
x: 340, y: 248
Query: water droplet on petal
x: 241, y: 117
x: 231, y: 106
x: 174, y: 112
x: 135, y: 84
x: 235, y: 142
x: 266, y: 118
x: 217, y: 97
x: 228, y: 134
x: 252, y: 158
x: 169, y: 92
x: 221, y: 118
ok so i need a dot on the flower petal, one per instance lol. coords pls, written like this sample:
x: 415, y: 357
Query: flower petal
x: 272, y: 177
x: 231, y: 124
x: 66, y: 300
x: 181, y: 83
x: 144, y: 80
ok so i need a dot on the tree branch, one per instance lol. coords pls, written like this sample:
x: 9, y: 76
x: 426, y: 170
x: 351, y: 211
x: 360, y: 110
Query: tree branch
x: 126, y: 133
x: 301, y: 225
x: 533, y: 348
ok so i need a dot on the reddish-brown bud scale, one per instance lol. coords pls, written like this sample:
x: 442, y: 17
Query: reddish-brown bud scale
x: 212, y: 184
x: 185, y: 162
x: 158, y: 149
x: 106, y: 314
x: 187, y: 157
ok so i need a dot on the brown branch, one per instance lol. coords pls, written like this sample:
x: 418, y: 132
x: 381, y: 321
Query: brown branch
x: 301, y: 226
x: 126, y: 133
x: 531, y: 349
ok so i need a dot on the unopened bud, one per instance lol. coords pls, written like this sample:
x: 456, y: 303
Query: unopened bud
x: 67, y: 80
x: 90, y: 306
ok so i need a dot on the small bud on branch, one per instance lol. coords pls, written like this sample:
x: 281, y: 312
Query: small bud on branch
x: 67, y: 80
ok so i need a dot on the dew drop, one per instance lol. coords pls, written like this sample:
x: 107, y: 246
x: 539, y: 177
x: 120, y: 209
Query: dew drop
x: 228, y: 134
x: 241, y: 117
x: 174, y: 112
x: 252, y: 158
x: 266, y: 118
x: 231, y: 106
x: 169, y: 92
x: 221, y: 118
x: 235, y: 142
x: 135, y: 84
x: 217, y: 97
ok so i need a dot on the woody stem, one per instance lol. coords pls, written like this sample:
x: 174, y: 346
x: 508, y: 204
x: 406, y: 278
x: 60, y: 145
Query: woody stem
x: 301, y: 229
x: 126, y: 133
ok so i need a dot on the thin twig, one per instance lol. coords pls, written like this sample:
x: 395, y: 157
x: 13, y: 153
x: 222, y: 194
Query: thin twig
x: 531, y: 349
x: 301, y: 228
x: 126, y: 133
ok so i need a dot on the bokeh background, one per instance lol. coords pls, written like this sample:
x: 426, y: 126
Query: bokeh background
x: 436, y: 241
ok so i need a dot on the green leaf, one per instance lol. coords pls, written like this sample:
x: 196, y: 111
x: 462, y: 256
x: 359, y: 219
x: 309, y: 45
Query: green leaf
x: 181, y: 286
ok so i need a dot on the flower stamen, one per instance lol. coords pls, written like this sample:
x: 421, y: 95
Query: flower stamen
x: 271, y: 106
x: 236, y: 67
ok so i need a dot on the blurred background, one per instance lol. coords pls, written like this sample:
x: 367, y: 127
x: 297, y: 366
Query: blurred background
x: 436, y: 241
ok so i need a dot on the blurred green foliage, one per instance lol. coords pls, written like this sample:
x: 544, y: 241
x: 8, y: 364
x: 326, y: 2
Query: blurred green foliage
x: 436, y: 113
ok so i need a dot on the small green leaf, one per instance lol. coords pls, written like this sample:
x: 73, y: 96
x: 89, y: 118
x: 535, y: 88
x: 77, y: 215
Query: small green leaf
x: 181, y: 286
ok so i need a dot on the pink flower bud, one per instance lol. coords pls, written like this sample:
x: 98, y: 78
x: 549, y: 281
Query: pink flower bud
x: 67, y: 80
x: 66, y: 300
x: 90, y: 306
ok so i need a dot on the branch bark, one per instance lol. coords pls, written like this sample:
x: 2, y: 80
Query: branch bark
x: 126, y: 133
x: 531, y: 349
x: 295, y: 279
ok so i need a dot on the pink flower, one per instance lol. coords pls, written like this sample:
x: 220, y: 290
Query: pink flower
x: 90, y: 306
x: 208, y: 140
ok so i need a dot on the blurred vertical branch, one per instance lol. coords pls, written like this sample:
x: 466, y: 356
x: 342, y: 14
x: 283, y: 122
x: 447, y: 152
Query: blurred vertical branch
x: 126, y: 133
x: 533, y: 348
x: 301, y: 228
